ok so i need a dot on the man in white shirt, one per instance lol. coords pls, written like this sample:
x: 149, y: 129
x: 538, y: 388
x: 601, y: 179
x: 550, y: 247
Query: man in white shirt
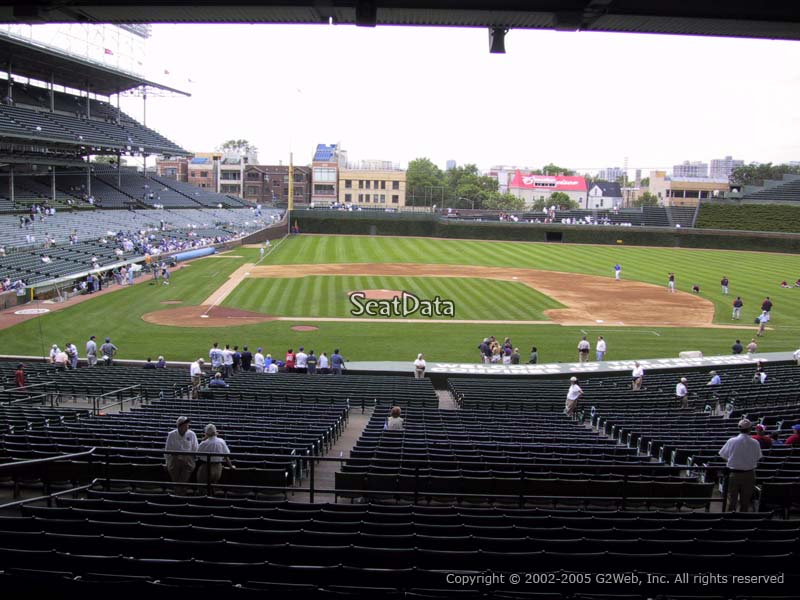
x: 682, y: 393
x: 210, y: 469
x: 601, y: 348
x: 227, y: 361
x: 181, y: 439
x: 196, y: 373
x: 301, y: 361
x: 273, y: 368
x: 258, y: 361
x: 637, y: 375
x: 322, y: 365
x: 574, y: 393
x: 742, y: 454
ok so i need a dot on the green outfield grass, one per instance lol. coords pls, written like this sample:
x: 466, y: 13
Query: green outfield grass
x: 118, y: 315
x: 328, y: 296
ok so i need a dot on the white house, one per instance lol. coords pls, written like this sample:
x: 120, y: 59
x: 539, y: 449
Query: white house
x: 603, y: 194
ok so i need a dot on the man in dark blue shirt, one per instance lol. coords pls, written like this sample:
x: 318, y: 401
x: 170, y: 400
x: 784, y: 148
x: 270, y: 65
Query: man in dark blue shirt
x: 337, y: 362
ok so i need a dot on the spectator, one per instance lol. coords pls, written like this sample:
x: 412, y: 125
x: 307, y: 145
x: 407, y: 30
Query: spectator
x: 196, y: 373
x: 311, y: 363
x: 91, y: 351
x: 742, y: 454
x: 181, y: 439
x: 54, y: 350
x: 273, y: 367
x: 218, y: 381
x: 72, y: 353
x: 237, y: 359
x: 715, y: 379
x: 324, y: 369
x: 419, y: 367
x: 19, y: 376
x: 289, y: 362
x: 760, y: 376
x: 737, y: 347
x: 752, y: 347
x: 247, y: 359
x: 762, y: 437
x: 108, y: 350
x: 573, y: 395
x: 515, y: 357
x: 258, y: 361
x: 161, y: 364
x: 227, y: 361
x: 149, y: 364
x: 337, y: 362
x: 394, y: 422
x: 682, y: 393
x: 583, y: 350
x: 210, y: 469
x: 61, y: 360
x: 534, y: 357
x: 301, y: 360
x: 794, y: 439
x: 637, y: 376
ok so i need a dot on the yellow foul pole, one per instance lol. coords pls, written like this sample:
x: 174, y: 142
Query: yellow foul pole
x: 291, y: 183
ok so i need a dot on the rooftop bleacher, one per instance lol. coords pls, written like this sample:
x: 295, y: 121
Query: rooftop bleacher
x: 787, y: 191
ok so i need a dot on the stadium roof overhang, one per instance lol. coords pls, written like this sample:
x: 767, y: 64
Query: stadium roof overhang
x: 27, y: 59
x: 774, y: 20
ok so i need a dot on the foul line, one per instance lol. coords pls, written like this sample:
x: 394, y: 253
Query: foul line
x: 234, y: 280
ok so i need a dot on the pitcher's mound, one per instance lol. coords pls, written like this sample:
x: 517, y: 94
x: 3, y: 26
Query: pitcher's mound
x: 172, y: 302
x: 304, y: 328
x: 377, y: 294
x: 205, y: 316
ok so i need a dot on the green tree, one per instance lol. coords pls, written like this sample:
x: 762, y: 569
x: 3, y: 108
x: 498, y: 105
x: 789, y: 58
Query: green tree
x: 645, y: 182
x: 466, y: 187
x: 756, y: 173
x: 504, y: 202
x: 241, y: 147
x: 422, y: 179
x: 551, y: 169
x: 562, y: 201
x: 646, y: 199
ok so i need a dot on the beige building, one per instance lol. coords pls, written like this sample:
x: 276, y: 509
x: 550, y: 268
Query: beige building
x: 685, y: 191
x: 381, y: 188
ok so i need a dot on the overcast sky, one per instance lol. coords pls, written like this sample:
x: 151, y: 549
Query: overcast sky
x: 581, y: 100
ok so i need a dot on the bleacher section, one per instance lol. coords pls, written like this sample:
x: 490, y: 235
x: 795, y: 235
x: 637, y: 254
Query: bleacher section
x: 358, y: 390
x: 499, y: 456
x: 199, y: 195
x: 788, y: 191
x: 505, y: 485
x: 151, y: 543
x: 30, y: 116
x: 63, y: 224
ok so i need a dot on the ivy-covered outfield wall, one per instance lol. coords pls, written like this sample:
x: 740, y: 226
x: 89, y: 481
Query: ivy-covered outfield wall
x: 424, y: 225
x: 749, y: 217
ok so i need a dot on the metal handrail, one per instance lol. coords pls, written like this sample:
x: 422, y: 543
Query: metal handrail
x: 11, y: 466
x: 29, y: 399
x: 96, y: 399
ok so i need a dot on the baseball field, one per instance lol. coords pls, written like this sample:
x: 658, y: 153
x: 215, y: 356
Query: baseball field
x: 326, y: 292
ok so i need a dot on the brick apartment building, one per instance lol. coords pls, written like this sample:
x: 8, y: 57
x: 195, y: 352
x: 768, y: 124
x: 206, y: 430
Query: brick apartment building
x: 265, y: 184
